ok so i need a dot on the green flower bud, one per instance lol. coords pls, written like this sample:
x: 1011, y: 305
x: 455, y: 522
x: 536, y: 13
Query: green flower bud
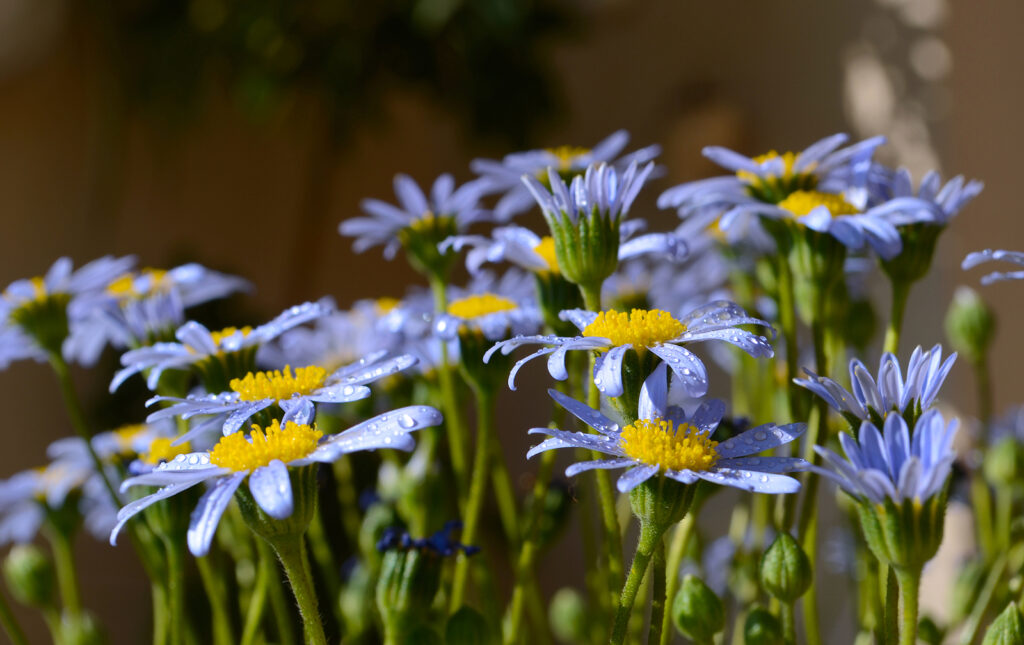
x: 1006, y: 629
x: 81, y: 630
x: 762, y: 628
x: 468, y: 627
x: 906, y: 535
x: 696, y: 611
x: 785, y: 570
x: 929, y: 632
x: 1004, y: 463
x: 587, y: 249
x: 661, y: 502
x: 568, y: 616
x: 30, y: 577
x: 409, y: 580
x: 378, y: 518
x: 970, y: 324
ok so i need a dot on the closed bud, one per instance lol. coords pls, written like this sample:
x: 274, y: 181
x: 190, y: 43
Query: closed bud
x: 468, y: 627
x: 762, y: 628
x: 970, y: 324
x: 81, y: 630
x: 1006, y: 629
x: 696, y: 611
x: 568, y: 616
x: 409, y: 580
x: 785, y: 570
x: 30, y: 577
x: 1004, y: 463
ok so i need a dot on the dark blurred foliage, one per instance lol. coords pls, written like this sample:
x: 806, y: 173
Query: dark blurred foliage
x: 483, y: 60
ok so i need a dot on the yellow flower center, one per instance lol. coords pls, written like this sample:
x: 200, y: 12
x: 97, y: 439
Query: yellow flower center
x: 238, y: 452
x: 124, y: 286
x: 788, y: 160
x: 546, y: 250
x: 480, y: 305
x: 773, y: 188
x: 639, y: 328
x: 802, y: 202
x: 161, y: 450
x: 659, y: 442
x: 384, y: 305
x: 279, y: 384
x: 39, y: 293
x: 126, y: 435
x: 566, y: 154
x: 219, y: 336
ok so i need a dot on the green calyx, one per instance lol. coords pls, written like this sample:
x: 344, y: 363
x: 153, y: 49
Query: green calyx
x: 304, y: 498
x: 970, y: 325
x: 30, y: 576
x: 45, y: 320
x: 587, y: 249
x: 660, y: 502
x: 420, y: 240
x: 904, y: 535
x: 915, y: 259
x: 215, y: 372
x: 697, y: 612
x: 785, y: 570
x: 408, y: 582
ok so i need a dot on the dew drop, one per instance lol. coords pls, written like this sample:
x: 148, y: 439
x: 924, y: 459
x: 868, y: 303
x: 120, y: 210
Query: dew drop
x: 406, y: 421
x: 760, y: 435
x: 764, y: 479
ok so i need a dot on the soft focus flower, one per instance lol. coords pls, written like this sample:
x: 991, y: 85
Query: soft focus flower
x: 988, y: 255
x: 873, y: 400
x: 567, y: 161
x: 37, y: 315
x: 934, y: 203
x: 892, y: 464
x: 614, y: 333
x: 496, y: 309
x: 665, y: 440
x: 294, y: 391
x: 264, y: 458
x: 197, y: 344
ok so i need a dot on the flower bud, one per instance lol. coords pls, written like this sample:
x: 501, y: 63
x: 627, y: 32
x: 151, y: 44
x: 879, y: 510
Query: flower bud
x: 1004, y: 463
x: 568, y: 616
x: 970, y: 324
x: 762, y: 628
x: 785, y: 570
x: 696, y: 611
x: 30, y: 577
x: 468, y: 627
x: 81, y: 630
x: 409, y: 580
x: 1007, y: 628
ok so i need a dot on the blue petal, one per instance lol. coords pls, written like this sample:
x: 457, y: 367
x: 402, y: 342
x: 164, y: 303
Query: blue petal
x: 585, y: 413
x: 605, y: 464
x: 635, y: 476
x: 608, y: 371
x: 759, y: 439
x: 272, y: 489
x: 207, y: 513
x: 754, y: 482
x: 686, y: 366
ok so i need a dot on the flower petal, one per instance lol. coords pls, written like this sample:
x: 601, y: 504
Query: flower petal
x: 207, y: 513
x: 272, y: 489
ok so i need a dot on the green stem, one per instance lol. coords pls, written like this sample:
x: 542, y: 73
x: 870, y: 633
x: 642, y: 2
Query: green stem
x: 528, y: 552
x: 282, y: 612
x: 658, y: 595
x: 175, y: 550
x: 982, y: 377
x: 900, y: 291
x: 787, y: 321
x: 787, y: 614
x: 891, y: 608
x: 477, y: 491
x: 324, y: 557
x: 680, y: 539
x: 910, y: 583
x: 504, y: 491
x: 1004, y: 517
x: 67, y: 579
x: 213, y: 585
x: 159, y: 598
x: 258, y: 599
x: 291, y: 550
x: 650, y: 536
x: 981, y: 605
x: 10, y: 623
x: 981, y: 500
x: 453, y: 421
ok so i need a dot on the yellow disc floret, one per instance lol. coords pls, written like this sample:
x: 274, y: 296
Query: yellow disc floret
x: 566, y: 154
x: 802, y: 202
x: 788, y: 160
x: 659, y: 442
x: 639, y: 328
x: 480, y: 304
x: 126, y: 435
x: 161, y: 450
x: 238, y: 452
x: 124, y: 286
x: 385, y: 305
x: 546, y: 250
x: 279, y: 384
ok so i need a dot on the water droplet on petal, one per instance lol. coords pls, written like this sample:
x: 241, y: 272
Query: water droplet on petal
x: 760, y: 435
x: 406, y: 421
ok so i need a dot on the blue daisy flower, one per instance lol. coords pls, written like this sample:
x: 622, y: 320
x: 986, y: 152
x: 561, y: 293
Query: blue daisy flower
x: 264, y: 456
x: 988, y: 255
x: 505, y: 176
x: 197, y: 344
x: 38, y: 314
x: 934, y: 203
x: 894, y: 464
x: 873, y: 400
x: 665, y: 440
x: 496, y: 309
x: 295, y: 392
x: 601, y: 189
x: 614, y: 333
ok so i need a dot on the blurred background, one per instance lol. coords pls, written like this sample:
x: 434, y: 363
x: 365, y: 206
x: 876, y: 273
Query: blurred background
x: 238, y: 134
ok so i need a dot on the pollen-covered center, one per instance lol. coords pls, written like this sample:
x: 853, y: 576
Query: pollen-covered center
x: 639, y: 328
x: 546, y: 250
x: 775, y: 187
x: 802, y: 202
x: 128, y: 285
x: 659, y: 442
x: 238, y: 452
x: 480, y: 304
x: 279, y: 384
x: 161, y: 450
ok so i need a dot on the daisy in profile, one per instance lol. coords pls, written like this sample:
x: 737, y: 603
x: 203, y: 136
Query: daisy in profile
x: 664, y: 440
x: 264, y: 457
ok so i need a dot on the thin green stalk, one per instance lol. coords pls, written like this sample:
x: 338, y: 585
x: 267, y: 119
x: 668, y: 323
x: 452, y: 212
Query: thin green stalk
x: 324, y: 557
x: 258, y: 599
x: 981, y: 501
x: 291, y: 550
x: 981, y: 605
x: 982, y: 377
x: 10, y: 623
x: 787, y: 614
x: 892, y: 627
x: 453, y: 421
x: 658, y: 599
x: 67, y: 576
x: 213, y: 585
x: 477, y: 491
x: 910, y: 583
x: 282, y: 611
x: 680, y: 539
x: 175, y: 550
x: 650, y: 536
x: 787, y: 321
x: 900, y: 291
x: 158, y: 593
x: 504, y: 493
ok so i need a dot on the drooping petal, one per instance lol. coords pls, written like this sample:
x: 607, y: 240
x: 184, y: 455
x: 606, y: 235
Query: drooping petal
x: 608, y: 371
x: 207, y: 513
x: 635, y: 476
x: 606, y: 464
x: 585, y: 413
x: 686, y: 366
x: 272, y: 489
